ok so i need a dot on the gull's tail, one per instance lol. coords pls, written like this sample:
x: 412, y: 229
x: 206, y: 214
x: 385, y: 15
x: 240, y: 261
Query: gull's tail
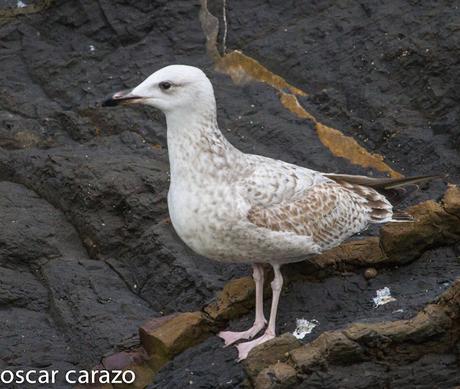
x: 401, y: 216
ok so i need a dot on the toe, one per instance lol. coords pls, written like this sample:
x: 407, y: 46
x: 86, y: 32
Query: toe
x: 224, y: 335
x: 243, y: 351
x: 229, y: 337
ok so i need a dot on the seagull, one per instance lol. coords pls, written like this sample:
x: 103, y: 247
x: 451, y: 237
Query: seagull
x: 243, y: 208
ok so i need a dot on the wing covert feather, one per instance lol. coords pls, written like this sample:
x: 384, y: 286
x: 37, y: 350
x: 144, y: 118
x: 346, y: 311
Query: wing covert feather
x: 326, y: 212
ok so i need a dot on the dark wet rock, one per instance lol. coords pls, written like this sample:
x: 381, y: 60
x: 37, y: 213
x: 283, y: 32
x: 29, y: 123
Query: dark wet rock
x: 87, y: 184
x: 431, y: 370
x: 87, y: 295
x: 27, y: 218
x: 22, y: 289
x: 50, y: 286
x: 30, y: 340
x: 32, y: 233
x: 207, y: 365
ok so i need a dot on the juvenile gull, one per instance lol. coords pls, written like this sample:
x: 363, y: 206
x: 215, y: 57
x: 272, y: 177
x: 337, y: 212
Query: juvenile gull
x: 237, y: 207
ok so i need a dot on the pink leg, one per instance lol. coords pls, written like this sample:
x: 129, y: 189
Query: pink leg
x: 270, y: 332
x: 231, y: 337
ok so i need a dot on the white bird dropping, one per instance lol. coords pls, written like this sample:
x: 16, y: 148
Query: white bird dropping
x: 383, y: 297
x: 304, y: 327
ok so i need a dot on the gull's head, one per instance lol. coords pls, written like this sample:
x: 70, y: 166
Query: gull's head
x: 173, y: 88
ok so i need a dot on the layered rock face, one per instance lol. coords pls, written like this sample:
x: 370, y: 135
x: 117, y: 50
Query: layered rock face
x: 88, y: 258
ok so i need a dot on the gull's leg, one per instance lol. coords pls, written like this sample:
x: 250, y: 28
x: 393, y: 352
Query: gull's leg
x: 277, y: 284
x: 259, y: 323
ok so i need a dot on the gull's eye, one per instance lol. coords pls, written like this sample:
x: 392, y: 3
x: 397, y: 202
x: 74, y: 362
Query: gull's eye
x: 165, y: 85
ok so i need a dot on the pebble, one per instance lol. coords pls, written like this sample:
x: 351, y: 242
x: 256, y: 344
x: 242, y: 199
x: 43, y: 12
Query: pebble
x: 370, y: 273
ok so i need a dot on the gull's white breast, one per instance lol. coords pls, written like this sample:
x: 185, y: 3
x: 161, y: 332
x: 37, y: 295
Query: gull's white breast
x: 204, y: 215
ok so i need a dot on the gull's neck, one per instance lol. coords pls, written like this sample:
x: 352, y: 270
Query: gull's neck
x: 197, y: 148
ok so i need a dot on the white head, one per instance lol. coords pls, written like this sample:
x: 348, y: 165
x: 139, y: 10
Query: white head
x: 172, y: 89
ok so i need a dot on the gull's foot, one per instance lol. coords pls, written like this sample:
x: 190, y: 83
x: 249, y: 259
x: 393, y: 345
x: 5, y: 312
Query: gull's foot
x: 244, y: 348
x: 231, y: 337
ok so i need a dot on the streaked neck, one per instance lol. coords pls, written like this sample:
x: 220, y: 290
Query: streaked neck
x: 196, y: 146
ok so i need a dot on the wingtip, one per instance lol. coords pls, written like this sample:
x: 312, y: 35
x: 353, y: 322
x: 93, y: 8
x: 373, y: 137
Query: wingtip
x: 402, y: 217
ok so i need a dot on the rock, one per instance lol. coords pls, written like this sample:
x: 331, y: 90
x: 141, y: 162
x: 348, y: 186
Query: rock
x: 235, y: 299
x: 144, y: 376
x: 336, y: 301
x: 360, y: 252
x: 329, y: 347
x: 277, y: 376
x: 426, y: 332
x: 370, y: 273
x: 432, y: 321
x: 269, y: 353
x: 90, y: 184
x: 101, y: 317
x: 398, y: 342
x: 207, y: 364
x: 451, y: 202
x: 374, y: 375
x: 20, y: 327
x: 118, y: 361
x: 19, y: 288
x: 405, y: 241
x: 163, y: 339
x: 32, y: 233
x: 26, y: 217
x: 113, y: 191
x: 135, y: 361
x: 434, y: 226
x: 93, y: 386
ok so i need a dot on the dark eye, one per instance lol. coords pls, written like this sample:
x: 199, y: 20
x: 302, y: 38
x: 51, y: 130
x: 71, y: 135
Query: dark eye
x: 165, y: 85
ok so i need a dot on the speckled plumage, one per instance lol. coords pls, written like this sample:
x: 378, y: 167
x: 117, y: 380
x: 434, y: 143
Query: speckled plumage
x: 237, y: 207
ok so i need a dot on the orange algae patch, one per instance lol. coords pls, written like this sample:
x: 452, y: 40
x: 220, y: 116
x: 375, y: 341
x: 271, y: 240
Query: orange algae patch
x: 242, y: 68
x: 292, y: 104
x: 339, y: 144
x: 346, y: 147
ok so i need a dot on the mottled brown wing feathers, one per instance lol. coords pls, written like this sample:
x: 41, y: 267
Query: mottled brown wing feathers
x: 328, y: 213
